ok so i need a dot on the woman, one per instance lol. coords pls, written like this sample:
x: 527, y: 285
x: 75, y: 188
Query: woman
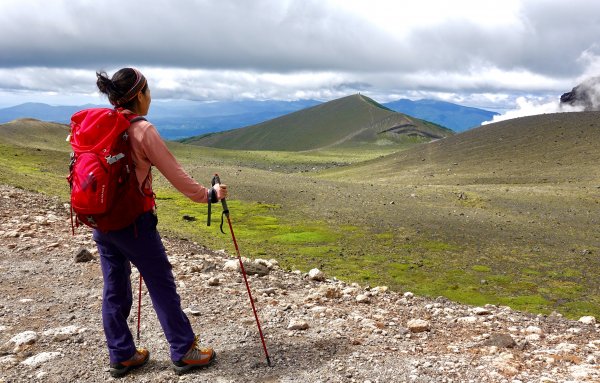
x: 141, y: 244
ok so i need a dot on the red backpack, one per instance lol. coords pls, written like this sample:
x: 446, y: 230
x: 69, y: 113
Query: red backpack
x: 105, y: 192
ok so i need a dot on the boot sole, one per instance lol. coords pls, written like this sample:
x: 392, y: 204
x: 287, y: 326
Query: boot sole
x: 121, y: 372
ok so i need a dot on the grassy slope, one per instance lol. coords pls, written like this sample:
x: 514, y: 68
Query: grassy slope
x: 467, y: 233
x: 521, y: 199
x: 539, y: 149
x: 353, y: 121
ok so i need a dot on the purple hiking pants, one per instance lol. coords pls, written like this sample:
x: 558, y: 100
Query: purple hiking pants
x: 141, y: 245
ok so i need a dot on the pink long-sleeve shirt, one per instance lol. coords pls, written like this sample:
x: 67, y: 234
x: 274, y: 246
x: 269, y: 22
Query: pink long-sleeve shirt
x: 149, y: 149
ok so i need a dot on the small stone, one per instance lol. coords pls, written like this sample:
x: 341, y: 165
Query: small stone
x: 533, y: 337
x: 24, y: 338
x: 588, y: 319
x: 83, y: 255
x: 40, y: 358
x: 63, y: 333
x: 9, y: 360
x: 231, y: 265
x: 316, y: 275
x: 362, y: 298
x: 269, y: 291
x: 379, y: 290
x: 214, y: 281
x: 297, y: 325
x: 534, y: 330
x: 192, y: 311
x: 330, y: 292
x: 500, y: 340
x: 253, y: 268
x: 481, y: 311
x: 418, y: 325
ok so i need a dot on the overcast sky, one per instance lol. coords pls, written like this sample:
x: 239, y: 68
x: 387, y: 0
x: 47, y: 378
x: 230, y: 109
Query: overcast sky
x: 491, y: 54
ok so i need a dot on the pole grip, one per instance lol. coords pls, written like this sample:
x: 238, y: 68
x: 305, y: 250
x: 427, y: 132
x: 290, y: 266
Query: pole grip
x: 217, y: 180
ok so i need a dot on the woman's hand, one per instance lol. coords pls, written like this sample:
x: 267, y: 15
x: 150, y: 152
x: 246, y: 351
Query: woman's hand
x: 221, y: 190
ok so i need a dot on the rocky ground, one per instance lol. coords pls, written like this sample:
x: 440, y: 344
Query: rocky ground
x: 316, y: 329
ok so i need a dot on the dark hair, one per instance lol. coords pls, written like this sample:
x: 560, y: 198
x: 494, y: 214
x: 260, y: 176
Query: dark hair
x: 120, y: 85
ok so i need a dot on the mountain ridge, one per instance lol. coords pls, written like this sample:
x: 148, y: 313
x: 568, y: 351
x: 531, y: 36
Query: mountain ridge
x: 354, y: 120
x: 177, y: 119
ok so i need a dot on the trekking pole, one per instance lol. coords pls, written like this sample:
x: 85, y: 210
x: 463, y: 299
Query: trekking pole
x: 217, y: 180
x: 139, y: 308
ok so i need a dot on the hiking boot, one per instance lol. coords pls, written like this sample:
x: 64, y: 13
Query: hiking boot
x: 196, y: 357
x: 138, y: 359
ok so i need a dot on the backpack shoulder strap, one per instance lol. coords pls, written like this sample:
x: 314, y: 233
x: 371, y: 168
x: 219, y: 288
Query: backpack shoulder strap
x: 137, y: 118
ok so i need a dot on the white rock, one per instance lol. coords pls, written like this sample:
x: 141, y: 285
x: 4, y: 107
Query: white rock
x: 269, y: 291
x: 481, y: 311
x: 40, y: 358
x: 533, y: 337
x: 534, y: 330
x: 192, y: 311
x: 232, y: 265
x: 214, y: 281
x: 582, y: 372
x: 264, y: 262
x: 504, y: 363
x: 566, y: 347
x: 588, y: 319
x: 379, y: 290
x: 329, y: 291
x: 418, y: 325
x: 408, y: 295
x: 62, y: 333
x: 316, y: 275
x: 362, y: 298
x: 26, y: 337
x: 8, y: 360
x: 469, y: 319
x: 297, y: 325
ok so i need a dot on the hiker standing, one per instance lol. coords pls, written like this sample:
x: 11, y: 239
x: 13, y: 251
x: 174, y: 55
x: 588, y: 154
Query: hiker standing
x: 140, y: 242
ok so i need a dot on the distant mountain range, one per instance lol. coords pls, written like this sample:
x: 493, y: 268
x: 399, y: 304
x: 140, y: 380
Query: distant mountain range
x: 180, y: 119
x: 456, y: 117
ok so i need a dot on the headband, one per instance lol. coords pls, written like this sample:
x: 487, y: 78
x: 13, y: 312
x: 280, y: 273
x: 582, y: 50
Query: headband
x: 140, y: 82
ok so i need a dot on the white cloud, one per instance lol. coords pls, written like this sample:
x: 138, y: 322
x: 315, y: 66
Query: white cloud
x: 287, y: 49
x: 529, y: 106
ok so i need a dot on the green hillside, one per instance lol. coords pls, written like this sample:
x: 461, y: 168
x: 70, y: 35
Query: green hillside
x: 503, y: 214
x: 353, y: 121
x: 35, y: 133
x: 560, y: 147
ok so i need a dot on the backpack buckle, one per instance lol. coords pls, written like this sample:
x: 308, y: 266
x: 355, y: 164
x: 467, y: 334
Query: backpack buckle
x: 112, y: 159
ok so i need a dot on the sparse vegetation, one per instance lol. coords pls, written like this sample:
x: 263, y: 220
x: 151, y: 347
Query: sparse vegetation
x: 504, y: 214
